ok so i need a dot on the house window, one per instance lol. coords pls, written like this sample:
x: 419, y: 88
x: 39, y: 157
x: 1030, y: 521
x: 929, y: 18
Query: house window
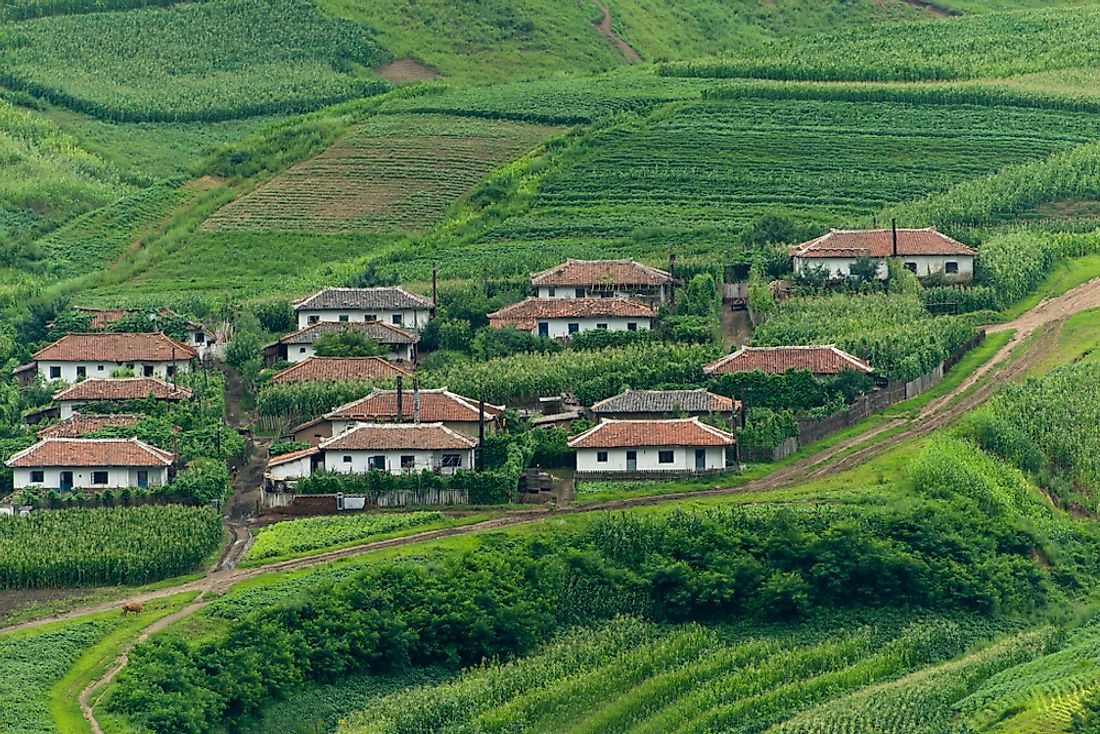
x: 38, y: 476
x: 544, y: 329
x: 170, y: 370
x: 313, y: 318
x: 574, y: 328
x: 601, y: 457
x: 911, y: 267
x: 631, y: 325
x: 55, y: 373
x: 665, y: 457
x: 579, y: 292
x: 301, y: 350
x: 452, y: 461
x: 199, y: 337
x: 376, y: 463
x: 951, y: 267
x: 344, y: 317
x: 370, y: 317
x: 99, y: 477
x: 143, y: 478
x: 551, y: 292
x: 408, y: 462
x: 147, y: 370
x: 99, y: 368
x: 81, y: 371
x: 602, y: 326
x: 397, y: 319
x: 347, y: 458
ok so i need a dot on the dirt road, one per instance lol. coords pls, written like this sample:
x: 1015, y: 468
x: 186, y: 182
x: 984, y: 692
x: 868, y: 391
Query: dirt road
x: 603, y: 25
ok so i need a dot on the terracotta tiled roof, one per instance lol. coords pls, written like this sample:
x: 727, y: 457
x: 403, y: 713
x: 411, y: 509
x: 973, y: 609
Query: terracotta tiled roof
x: 820, y: 360
x: 530, y: 310
x: 109, y: 347
x: 435, y: 406
x: 91, y: 452
x: 340, y: 369
x: 383, y: 299
x: 600, y: 272
x: 123, y: 388
x: 292, y: 456
x: 383, y: 436
x: 611, y: 434
x: 880, y: 243
x: 665, y: 401
x: 78, y: 425
x: 373, y: 330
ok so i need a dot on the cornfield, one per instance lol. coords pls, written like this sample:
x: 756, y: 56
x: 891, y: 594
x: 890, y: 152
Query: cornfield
x: 296, y: 537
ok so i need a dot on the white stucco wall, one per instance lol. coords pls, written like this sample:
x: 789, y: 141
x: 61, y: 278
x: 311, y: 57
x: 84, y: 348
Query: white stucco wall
x: 359, y: 464
x: 410, y: 318
x: 117, y: 477
x: 683, y: 459
x: 925, y: 265
x: 68, y: 370
x: 296, y: 469
x: 301, y: 352
x: 559, y: 328
x: 572, y: 292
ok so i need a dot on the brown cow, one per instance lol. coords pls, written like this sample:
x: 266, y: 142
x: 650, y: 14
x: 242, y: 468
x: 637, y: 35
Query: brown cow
x: 133, y: 607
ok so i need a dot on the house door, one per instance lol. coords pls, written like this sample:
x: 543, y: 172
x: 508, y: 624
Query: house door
x: 66, y: 481
x: 632, y: 461
x: 142, y: 478
x: 700, y: 459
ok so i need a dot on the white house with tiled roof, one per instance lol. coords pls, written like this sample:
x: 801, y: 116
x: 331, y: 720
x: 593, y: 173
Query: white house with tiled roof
x: 603, y: 279
x: 821, y: 360
x: 395, y: 448
x: 298, y: 346
x: 340, y: 369
x: 117, y: 390
x: 652, y: 404
x: 561, y: 318
x: 651, y: 448
x: 96, y: 355
x: 390, y: 305
x: 90, y: 464
x: 924, y: 252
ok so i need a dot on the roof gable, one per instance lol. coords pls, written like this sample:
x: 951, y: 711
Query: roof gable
x: 340, y: 369
x: 112, y: 347
x: 601, y: 273
x: 820, y: 360
x: 92, y: 452
x: 610, y: 434
x: 879, y: 243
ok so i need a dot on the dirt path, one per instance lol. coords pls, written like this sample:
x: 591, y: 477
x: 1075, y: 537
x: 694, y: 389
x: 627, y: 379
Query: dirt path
x: 603, y: 25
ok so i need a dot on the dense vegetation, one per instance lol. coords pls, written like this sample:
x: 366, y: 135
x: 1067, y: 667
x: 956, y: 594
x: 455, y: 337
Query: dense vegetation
x: 294, y: 537
x: 95, y: 547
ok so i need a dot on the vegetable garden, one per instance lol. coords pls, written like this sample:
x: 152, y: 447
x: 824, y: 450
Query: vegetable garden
x: 296, y: 537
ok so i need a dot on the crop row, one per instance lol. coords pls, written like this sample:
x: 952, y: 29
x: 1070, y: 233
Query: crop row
x: 301, y: 536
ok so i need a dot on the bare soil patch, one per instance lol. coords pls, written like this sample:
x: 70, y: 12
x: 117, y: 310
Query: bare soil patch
x: 603, y: 25
x: 407, y: 71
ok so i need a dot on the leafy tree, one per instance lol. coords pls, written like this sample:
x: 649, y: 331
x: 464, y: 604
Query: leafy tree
x: 347, y: 344
x: 276, y: 317
x: 761, y: 298
x: 243, y: 347
x: 864, y: 269
x: 503, y: 342
x: 700, y: 297
x: 69, y: 321
x: 284, y: 446
x: 203, y: 480
x: 772, y: 229
x: 369, y: 277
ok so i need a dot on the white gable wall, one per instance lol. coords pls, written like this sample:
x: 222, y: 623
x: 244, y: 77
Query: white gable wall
x: 409, y: 318
x: 683, y: 459
x: 301, y: 352
x: 559, y: 328
x: 67, y: 371
x: 117, y: 477
x: 926, y: 265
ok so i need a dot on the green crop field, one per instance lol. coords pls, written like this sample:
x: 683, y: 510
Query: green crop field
x: 160, y: 64
x: 299, y: 537
x: 390, y: 174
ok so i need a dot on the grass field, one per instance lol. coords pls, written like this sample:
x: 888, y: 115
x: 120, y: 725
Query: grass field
x: 394, y: 173
x: 160, y: 64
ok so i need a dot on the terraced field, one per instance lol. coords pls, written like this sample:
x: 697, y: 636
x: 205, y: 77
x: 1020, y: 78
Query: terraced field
x: 393, y: 173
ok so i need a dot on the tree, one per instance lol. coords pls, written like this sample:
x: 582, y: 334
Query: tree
x: 761, y: 299
x: 700, y: 297
x: 491, y: 343
x: 347, y: 344
x: 69, y: 321
x: 276, y: 317
x: 864, y: 269
x: 204, y: 480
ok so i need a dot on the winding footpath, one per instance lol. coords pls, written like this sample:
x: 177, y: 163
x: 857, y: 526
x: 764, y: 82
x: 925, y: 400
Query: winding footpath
x: 1010, y: 362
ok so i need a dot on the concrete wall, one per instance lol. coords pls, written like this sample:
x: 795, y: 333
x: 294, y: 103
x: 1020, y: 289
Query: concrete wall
x: 292, y: 469
x: 926, y: 265
x: 647, y: 459
x: 117, y: 477
x: 68, y: 370
x: 359, y: 464
x: 409, y: 318
x: 301, y: 352
x: 559, y: 328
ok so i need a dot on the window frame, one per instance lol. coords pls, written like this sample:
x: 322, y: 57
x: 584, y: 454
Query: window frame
x: 106, y: 475
x: 55, y: 372
x: 38, y: 476
x: 601, y: 457
x: 451, y: 461
x: 951, y: 267
x: 666, y: 456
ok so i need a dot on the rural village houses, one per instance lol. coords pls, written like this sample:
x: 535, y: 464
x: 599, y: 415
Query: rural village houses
x: 117, y: 390
x: 339, y: 369
x: 924, y: 252
x: 390, y: 305
x: 200, y: 337
x: 297, y: 346
x: 819, y: 360
x: 561, y: 318
x: 650, y: 448
x: 90, y: 463
x: 604, y: 279
x: 395, y: 448
x: 455, y: 412
x: 78, y: 356
x: 79, y: 424
x: 656, y: 404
